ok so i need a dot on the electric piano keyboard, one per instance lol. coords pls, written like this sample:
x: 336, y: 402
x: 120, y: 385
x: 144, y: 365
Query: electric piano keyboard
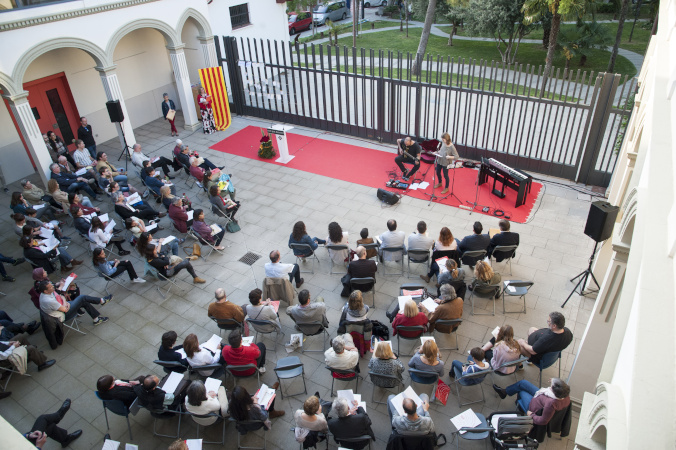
x: 515, y: 179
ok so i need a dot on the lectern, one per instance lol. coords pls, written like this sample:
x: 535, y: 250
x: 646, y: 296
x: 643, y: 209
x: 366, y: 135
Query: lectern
x: 279, y: 131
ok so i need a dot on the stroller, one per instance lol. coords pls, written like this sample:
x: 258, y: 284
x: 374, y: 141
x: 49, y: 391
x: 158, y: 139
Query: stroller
x: 511, y: 431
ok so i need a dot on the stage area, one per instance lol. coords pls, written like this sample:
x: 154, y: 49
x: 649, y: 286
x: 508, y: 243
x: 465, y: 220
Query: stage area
x: 370, y: 167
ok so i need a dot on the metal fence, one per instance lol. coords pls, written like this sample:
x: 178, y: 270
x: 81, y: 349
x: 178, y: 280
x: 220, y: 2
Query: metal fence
x: 570, y: 130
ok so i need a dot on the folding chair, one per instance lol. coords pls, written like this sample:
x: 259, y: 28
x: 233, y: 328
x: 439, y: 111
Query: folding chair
x: 488, y: 292
x: 312, y: 329
x: 244, y: 426
x: 165, y: 414
x: 218, y: 213
x: 453, y: 329
x: 216, y: 370
x: 509, y: 249
x: 288, y: 368
x: 348, y: 375
x: 418, y: 257
x: 472, y: 376
x: 354, y: 440
x: 116, y: 407
x: 262, y: 326
x: 385, y: 378
x: 193, y: 234
x: 419, y: 329
x: 479, y: 433
x: 516, y: 363
x: 219, y: 418
x: 516, y: 288
x: 235, y: 377
x: 336, y: 248
x: 393, y: 250
x: 299, y: 259
x: 548, y: 360
x: 169, y: 366
x: 150, y: 270
x: 368, y: 247
x: 228, y: 324
x: 110, y: 280
x: 431, y: 378
x: 73, y: 325
x: 359, y: 283
x: 476, y: 255
x: 7, y: 367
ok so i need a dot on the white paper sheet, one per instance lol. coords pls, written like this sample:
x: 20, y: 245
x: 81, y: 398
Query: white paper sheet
x: 168, y: 239
x: 172, y: 382
x: 181, y: 352
x: 357, y: 397
x: 441, y: 262
x: 109, y: 227
x: 496, y: 418
x: 190, y: 213
x: 265, y: 395
x: 424, y: 339
x: 430, y: 304
x: 213, y: 343
x: 194, y: 444
x: 130, y: 447
x: 215, y: 229
x: 402, y: 301
x: 68, y: 280
x: 104, y: 217
x: 423, y: 185
x: 134, y: 198
x: 466, y: 419
x: 495, y: 332
x: 151, y: 227
x: 414, y: 186
x: 40, y: 206
x: 46, y: 233
x: 399, y: 399
x: 79, y: 173
x: 109, y: 444
x: 347, y: 394
x: 247, y: 340
x: 212, y: 384
x: 49, y: 244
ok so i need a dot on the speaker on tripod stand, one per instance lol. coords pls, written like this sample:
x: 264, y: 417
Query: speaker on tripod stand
x: 599, y: 227
x: 117, y: 116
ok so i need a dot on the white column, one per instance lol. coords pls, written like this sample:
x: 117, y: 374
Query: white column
x: 208, y: 51
x: 183, y: 88
x: 111, y: 85
x: 31, y: 134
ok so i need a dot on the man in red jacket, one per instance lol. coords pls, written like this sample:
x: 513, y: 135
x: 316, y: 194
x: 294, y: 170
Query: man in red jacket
x: 531, y: 400
x: 237, y: 354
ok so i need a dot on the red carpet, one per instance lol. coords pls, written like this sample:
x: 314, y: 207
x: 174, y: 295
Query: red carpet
x: 369, y: 168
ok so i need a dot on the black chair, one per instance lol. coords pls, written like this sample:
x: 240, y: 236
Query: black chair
x: 508, y: 250
x: 511, y: 432
x: 483, y: 374
x: 384, y: 250
x: 262, y: 326
x: 431, y: 378
x: 219, y: 419
x: 312, y: 329
x: 350, y: 375
x: 453, y: 330
x: 413, y: 441
x: 365, y: 284
x: 229, y: 370
x: 419, y: 329
x: 216, y: 369
x: 394, y: 380
x: 368, y: 247
x: 516, y: 288
x: 487, y: 291
x: 418, y: 257
x: 516, y: 363
x: 244, y: 426
x: 116, y: 407
x: 169, y: 366
x: 479, y: 433
x: 336, y: 248
x: 345, y: 442
x: 307, y: 250
x: 288, y: 368
x: 228, y: 324
x: 165, y: 414
x: 473, y: 255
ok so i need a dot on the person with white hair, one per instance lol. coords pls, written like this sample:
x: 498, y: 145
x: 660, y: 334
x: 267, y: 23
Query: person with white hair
x: 137, y: 157
x: 184, y: 158
x: 343, y: 354
x: 351, y: 422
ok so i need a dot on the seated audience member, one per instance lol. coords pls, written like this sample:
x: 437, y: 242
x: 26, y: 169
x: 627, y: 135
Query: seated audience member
x: 350, y: 422
x: 33, y: 253
x: 555, y: 338
x: 53, y: 304
x: 106, y: 179
x: 504, y: 237
x: 110, y: 388
x: 178, y: 213
x: 450, y: 308
x: 385, y: 362
x: 101, y: 239
x: 418, y: 240
x: 258, y: 310
x: 224, y: 309
x: 342, y: 354
x: 354, y: 310
x: 70, y: 182
x: 473, y: 242
x: 484, y: 276
x: 356, y: 313
x: 530, y: 399
x: 244, y: 408
x: 20, y: 205
x: 199, y: 401
x: 154, y: 398
x: 166, y: 196
x: 54, y: 225
x: 308, y: 312
x: 46, y: 426
x: 276, y: 269
x: 81, y: 202
x: 299, y: 236
x: 12, y: 261
x: 114, y: 268
x: 58, y: 147
x: 198, y: 356
x: 502, y: 350
x: 69, y: 168
x: 237, y: 354
x: 337, y: 237
x: 453, y: 275
x: 310, y: 420
x: 170, y: 248
x: 445, y: 243
x: 184, y: 158
x: 39, y: 275
x: 168, y: 267
x: 169, y: 352
x: 9, y: 328
x: 391, y: 238
x: 82, y: 157
x: 35, y: 195
x: 365, y: 240
x: 154, y: 183
x: 58, y: 196
x: 115, y: 187
x: 81, y: 224
x: 427, y: 359
x: 221, y: 180
x: 32, y: 353
x: 195, y: 170
x: 475, y: 364
x: 138, y: 157
x: 205, y: 232
x: 117, y: 173
x: 227, y: 206
x: 417, y: 419
x: 140, y: 210
x: 411, y: 317
x: 359, y: 268
x: 177, y: 150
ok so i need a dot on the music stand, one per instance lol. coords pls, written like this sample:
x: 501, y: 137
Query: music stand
x: 433, y: 196
x: 476, y: 195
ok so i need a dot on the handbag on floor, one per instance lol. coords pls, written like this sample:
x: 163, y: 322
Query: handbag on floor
x: 196, y: 250
x: 232, y: 227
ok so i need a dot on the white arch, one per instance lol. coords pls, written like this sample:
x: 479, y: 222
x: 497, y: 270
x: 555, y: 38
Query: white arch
x: 34, y: 52
x: 630, y: 208
x: 202, y: 22
x: 8, y: 85
x: 173, y: 39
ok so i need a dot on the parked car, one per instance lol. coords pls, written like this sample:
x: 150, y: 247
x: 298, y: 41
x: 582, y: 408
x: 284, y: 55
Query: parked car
x: 331, y: 11
x: 299, y: 21
x: 368, y: 4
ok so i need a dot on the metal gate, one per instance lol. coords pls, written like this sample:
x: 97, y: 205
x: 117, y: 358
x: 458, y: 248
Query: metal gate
x: 572, y: 130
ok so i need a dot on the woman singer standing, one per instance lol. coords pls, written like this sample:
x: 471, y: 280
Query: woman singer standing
x: 446, y: 154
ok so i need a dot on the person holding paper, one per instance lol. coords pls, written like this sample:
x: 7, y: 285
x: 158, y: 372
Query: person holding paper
x: 350, y: 422
x: 450, y: 308
x: 145, y: 238
x: 484, y: 276
x: 33, y: 252
x: 199, y: 401
x: 299, y: 236
x: 169, y: 112
x: 205, y: 232
x: 46, y: 426
x: 88, y: 174
x: 101, y: 238
x: 531, y: 400
x: 504, y: 237
x: 169, y: 267
x: 20, y: 205
x: 228, y: 207
x: 244, y: 407
x: 139, y: 210
x: 475, y: 364
x: 39, y: 275
x: 106, y: 179
x: 276, y: 269
x: 452, y: 274
x: 411, y: 317
x: 337, y: 237
x: 216, y: 177
x: 169, y: 352
x: 342, y: 355
x: 201, y: 356
x: 359, y: 268
x: 502, y: 349
x: 416, y: 420
x: 138, y: 158
x: 391, y: 238
x: 70, y: 182
x: 114, y: 268
x: 118, y: 174
x: 446, y: 242
x: 258, y: 310
x: 195, y: 170
x: 178, y: 213
x: 75, y: 199
x: 309, y: 422
x: 52, y: 226
x: 184, y: 158
x: 426, y: 358
x: 237, y: 354
x: 57, y: 306
x: 385, y: 362
x: 153, y: 182
x: 110, y: 388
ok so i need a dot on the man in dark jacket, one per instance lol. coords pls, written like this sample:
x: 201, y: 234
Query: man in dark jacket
x: 86, y: 135
x: 350, y: 423
x: 70, y: 182
x: 504, y: 237
x: 169, y: 352
x: 476, y: 241
x: 154, y: 398
x: 141, y: 211
x: 111, y: 389
x: 360, y: 268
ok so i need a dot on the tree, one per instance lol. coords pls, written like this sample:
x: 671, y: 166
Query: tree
x: 618, y: 38
x: 424, y: 37
x: 585, y: 36
x: 455, y: 13
x: 503, y: 19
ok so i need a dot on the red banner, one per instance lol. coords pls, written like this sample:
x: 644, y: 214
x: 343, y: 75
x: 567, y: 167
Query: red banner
x: 214, y: 83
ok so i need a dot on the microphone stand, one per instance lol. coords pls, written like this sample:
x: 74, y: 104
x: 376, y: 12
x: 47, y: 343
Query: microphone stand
x: 433, y: 196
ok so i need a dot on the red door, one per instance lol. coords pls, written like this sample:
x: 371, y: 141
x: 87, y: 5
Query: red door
x: 53, y: 107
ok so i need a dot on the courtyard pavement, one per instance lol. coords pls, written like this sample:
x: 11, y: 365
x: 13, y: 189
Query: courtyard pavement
x: 553, y: 249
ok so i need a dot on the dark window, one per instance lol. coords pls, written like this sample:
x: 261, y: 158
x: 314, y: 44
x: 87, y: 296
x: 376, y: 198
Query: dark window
x: 36, y: 114
x: 239, y: 15
x: 20, y: 4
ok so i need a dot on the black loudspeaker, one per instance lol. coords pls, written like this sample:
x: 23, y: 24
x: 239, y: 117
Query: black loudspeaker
x: 601, y: 220
x: 387, y: 197
x: 115, y: 111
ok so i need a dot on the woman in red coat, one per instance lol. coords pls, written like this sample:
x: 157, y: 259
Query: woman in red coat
x: 411, y: 317
x: 178, y: 213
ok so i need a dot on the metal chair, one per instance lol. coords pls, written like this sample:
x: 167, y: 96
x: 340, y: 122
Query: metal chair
x: 351, y: 374
x: 288, y: 368
x: 474, y: 254
x: 150, y: 270
x: 430, y: 378
x: 336, y: 248
x: 386, y: 378
x: 520, y: 289
x: 419, y: 329
x: 258, y: 325
x: 228, y: 324
x: 165, y: 414
x: 308, y: 251
x: 312, y: 329
x: 7, y: 367
x: 488, y: 292
x: 368, y: 247
x: 218, y: 417
x: 169, y: 366
x: 219, y: 213
x: 354, y: 440
x: 418, y: 257
x: 229, y: 370
x: 242, y: 425
x: 110, y: 280
x: 453, y: 330
x: 548, y: 360
x: 509, y: 249
x: 116, y: 407
x: 359, y: 283
x: 516, y: 363
x: 393, y: 250
x: 73, y: 325
x: 412, y: 287
x: 479, y: 433
x: 212, y: 248
x: 471, y: 376
x: 216, y: 370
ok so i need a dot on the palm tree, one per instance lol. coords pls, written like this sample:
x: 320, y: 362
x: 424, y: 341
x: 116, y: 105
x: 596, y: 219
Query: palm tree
x: 424, y: 37
x: 618, y: 37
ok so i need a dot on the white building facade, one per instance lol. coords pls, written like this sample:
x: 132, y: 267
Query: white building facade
x: 60, y: 61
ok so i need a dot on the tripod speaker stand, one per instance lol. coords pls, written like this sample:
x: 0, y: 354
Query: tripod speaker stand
x: 117, y: 116
x: 583, y: 278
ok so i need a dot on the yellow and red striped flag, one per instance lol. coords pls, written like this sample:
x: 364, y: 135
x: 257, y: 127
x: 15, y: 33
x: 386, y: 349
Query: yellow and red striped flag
x: 214, y: 83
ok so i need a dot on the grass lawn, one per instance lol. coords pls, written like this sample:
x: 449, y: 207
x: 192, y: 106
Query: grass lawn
x: 532, y: 54
x: 347, y: 28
